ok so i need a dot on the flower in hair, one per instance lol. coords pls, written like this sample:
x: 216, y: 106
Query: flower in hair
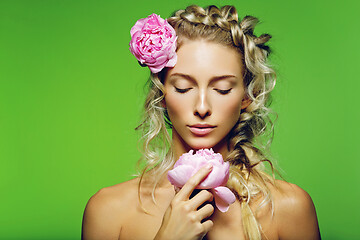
x: 153, y: 43
x: 189, y: 163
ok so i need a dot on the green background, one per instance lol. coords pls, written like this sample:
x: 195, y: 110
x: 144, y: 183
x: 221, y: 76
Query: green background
x: 71, y: 94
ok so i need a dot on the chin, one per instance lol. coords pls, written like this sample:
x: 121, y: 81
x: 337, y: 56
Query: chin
x: 201, y: 147
x: 204, y: 145
x: 197, y: 146
x: 217, y: 146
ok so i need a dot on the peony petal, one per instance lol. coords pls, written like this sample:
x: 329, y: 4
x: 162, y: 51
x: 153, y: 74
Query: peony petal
x: 161, y: 60
x: 156, y: 68
x: 183, y: 158
x: 180, y: 175
x: 138, y: 25
x: 172, y: 61
x: 214, y: 179
x: 153, y: 42
x: 223, y: 198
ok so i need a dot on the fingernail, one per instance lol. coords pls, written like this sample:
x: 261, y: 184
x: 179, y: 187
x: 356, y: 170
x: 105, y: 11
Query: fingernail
x: 209, y: 166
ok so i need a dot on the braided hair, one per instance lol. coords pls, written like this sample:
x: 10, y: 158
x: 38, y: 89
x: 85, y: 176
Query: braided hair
x: 248, y: 179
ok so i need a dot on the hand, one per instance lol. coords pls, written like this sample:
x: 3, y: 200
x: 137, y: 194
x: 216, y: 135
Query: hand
x: 183, y: 220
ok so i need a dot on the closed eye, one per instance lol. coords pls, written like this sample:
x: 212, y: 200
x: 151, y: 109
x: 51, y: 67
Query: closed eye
x: 223, y: 92
x: 182, y: 90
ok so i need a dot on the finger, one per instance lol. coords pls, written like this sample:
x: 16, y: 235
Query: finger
x: 207, y: 225
x: 200, y: 198
x: 205, y: 212
x: 192, y: 183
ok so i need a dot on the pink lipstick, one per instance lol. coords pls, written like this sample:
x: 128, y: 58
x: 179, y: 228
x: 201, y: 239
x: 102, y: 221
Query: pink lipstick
x: 201, y: 129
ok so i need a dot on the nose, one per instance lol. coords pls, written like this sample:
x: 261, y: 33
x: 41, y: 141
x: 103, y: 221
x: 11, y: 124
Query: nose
x: 202, y: 105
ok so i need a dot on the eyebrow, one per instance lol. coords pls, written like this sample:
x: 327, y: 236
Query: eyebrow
x: 213, y: 79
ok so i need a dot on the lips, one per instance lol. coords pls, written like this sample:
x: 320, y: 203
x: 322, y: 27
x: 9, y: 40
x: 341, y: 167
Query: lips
x: 201, y: 129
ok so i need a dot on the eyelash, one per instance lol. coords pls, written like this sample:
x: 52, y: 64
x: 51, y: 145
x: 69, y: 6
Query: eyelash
x: 222, y: 92
x: 180, y: 90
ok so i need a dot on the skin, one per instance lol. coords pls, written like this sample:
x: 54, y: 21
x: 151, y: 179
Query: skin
x: 115, y: 212
x: 209, y: 84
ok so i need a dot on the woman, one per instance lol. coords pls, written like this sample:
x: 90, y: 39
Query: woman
x: 213, y: 93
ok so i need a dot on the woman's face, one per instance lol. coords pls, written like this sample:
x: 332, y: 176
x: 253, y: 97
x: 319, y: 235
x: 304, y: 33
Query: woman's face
x: 204, y: 95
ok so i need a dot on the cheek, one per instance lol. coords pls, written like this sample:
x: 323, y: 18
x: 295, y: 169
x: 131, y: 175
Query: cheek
x: 230, y: 108
x: 174, y: 109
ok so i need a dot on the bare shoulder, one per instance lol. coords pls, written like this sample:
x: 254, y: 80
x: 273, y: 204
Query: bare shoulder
x: 289, y: 195
x: 106, y: 209
x: 295, y: 214
x: 116, y: 195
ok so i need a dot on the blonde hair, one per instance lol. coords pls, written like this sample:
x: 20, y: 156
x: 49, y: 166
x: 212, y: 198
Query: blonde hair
x: 248, y: 178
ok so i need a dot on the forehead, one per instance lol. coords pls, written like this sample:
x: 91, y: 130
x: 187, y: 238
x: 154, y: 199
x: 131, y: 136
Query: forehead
x: 207, y: 59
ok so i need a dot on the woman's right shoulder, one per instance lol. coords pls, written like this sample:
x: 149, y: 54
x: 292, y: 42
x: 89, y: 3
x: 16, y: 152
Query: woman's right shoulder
x: 107, y: 209
x: 115, y: 196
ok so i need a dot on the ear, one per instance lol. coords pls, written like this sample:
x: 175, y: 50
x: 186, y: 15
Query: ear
x: 245, y: 102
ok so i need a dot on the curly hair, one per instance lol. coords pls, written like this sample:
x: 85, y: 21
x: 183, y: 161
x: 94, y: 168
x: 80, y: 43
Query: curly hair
x: 248, y: 178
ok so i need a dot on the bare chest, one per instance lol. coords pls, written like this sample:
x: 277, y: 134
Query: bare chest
x: 140, y: 225
x: 137, y: 224
x: 145, y: 227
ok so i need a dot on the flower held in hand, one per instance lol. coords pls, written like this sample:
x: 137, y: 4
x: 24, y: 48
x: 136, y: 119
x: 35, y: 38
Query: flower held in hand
x: 189, y: 163
x: 153, y: 43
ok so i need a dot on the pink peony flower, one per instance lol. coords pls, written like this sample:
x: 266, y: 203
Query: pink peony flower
x: 189, y: 163
x: 153, y: 42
